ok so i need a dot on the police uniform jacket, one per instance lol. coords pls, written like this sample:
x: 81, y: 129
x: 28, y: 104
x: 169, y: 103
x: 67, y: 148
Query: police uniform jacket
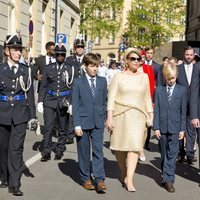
x: 72, y: 61
x: 54, y: 85
x: 15, y: 106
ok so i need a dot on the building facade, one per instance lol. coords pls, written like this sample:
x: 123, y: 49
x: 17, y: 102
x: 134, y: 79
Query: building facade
x: 109, y: 48
x: 193, y: 20
x: 36, y: 22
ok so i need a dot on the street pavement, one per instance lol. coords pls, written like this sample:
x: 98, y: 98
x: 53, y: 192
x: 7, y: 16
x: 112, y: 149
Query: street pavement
x: 58, y: 180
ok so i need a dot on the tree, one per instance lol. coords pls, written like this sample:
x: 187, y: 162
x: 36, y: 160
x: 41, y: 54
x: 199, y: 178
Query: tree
x: 99, y: 17
x: 154, y: 22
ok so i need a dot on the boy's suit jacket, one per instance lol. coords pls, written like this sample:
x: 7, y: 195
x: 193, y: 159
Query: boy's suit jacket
x: 87, y: 111
x: 170, y: 116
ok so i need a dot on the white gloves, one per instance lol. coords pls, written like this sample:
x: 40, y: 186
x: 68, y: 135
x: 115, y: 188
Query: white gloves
x: 69, y: 109
x: 34, y: 125
x: 40, y: 107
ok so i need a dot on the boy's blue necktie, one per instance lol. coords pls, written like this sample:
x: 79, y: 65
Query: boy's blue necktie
x: 92, y: 86
x: 169, y: 94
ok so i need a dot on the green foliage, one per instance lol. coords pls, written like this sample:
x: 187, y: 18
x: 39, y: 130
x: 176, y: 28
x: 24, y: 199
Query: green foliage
x: 95, y: 17
x: 153, y: 22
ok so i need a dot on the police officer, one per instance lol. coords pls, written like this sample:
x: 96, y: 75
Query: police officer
x: 54, y: 98
x: 76, y: 61
x: 17, y: 107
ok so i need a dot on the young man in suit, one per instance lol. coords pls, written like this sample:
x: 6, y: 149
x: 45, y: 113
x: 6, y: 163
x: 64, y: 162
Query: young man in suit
x: 149, y: 53
x: 42, y: 61
x: 149, y: 60
x: 185, y: 78
x: 169, y: 123
x: 89, y: 97
x: 17, y: 107
x: 76, y: 61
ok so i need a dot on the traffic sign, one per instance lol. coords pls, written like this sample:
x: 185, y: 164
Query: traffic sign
x: 61, y: 38
x: 30, y: 27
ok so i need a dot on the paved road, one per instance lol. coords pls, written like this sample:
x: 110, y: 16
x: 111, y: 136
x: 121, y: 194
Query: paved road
x: 58, y: 180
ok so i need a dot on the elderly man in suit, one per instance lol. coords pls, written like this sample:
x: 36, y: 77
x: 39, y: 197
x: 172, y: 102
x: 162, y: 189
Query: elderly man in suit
x: 185, y: 78
x: 76, y: 61
x: 169, y: 123
x: 89, y: 113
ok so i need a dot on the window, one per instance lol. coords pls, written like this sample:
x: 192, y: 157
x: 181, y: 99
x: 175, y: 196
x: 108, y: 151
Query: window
x: 11, y: 19
x: 97, y: 40
x: 111, y: 39
x: 98, y: 13
x: 112, y: 13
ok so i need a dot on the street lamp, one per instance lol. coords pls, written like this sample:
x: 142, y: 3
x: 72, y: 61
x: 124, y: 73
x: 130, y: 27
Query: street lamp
x: 57, y: 17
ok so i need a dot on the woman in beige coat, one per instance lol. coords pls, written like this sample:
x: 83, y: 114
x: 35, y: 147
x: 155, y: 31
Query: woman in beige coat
x: 129, y: 110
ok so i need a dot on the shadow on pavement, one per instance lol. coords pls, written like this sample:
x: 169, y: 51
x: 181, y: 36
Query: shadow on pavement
x: 150, y: 171
x: 188, y: 172
x: 111, y: 169
x: 70, y: 168
x: 184, y: 170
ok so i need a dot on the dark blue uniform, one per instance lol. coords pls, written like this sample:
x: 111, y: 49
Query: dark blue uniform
x: 16, y: 109
x: 52, y: 92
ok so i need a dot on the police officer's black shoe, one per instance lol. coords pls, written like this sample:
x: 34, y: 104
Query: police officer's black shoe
x: 45, y: 158
x: 15, y: 191
x: 3, y: 184
x: 58, y: 156
x: 69, y: 140
x: 191, y: 161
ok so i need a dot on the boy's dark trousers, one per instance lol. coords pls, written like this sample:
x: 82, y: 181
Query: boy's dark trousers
x: 169, y: 147
x: 92, y: 139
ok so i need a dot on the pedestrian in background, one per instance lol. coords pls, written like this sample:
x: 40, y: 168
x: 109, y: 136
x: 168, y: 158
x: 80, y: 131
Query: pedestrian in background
x: 169, y: 123
x: 17, y: 107
x: 112, y: 70
x: 129, y: 110
x: 149, y: 61
x: 89, y: 113
x: 42, y: 61
x: 147, y: 69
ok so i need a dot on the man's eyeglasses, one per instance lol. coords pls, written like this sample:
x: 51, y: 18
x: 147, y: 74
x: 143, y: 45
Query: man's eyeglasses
x: 62, y: 54
x: 132, y: 59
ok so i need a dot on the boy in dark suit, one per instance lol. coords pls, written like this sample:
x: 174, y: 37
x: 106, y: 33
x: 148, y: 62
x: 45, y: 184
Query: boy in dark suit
x: 89, y: 113
x: 169, y: 122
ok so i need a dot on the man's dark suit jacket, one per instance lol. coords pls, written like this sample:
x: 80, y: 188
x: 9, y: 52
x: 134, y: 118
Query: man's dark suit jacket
x: 182, y: 80
x: 170, y: 116
x: 16, y: 111
x: 195, y: 93
x: 39, y: 66
x: 156, y: 68
x: 87, y: 111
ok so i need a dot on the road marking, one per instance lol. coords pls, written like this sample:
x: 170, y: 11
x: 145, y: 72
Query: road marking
x: 33, y: 159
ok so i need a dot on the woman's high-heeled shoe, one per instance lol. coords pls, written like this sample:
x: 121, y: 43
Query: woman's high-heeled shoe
x: 128, y: 189
x: 142, y: 158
